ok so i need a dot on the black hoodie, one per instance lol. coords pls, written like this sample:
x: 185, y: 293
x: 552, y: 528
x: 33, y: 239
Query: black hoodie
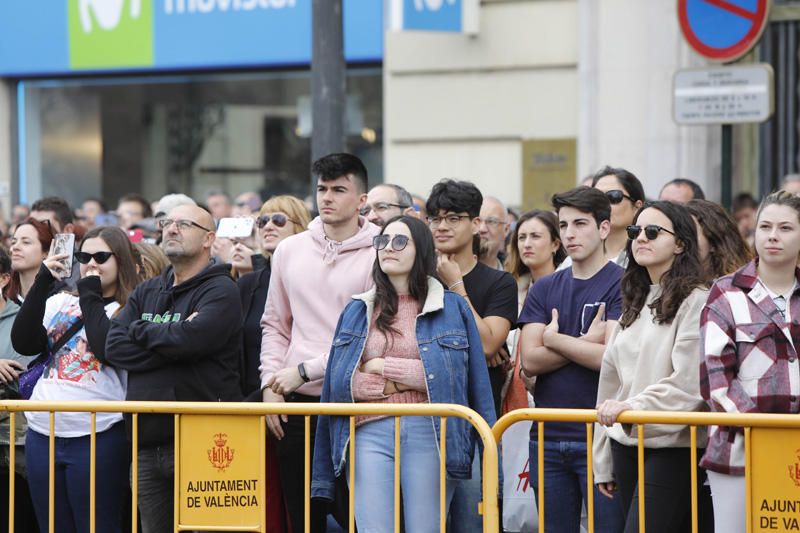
x: 170, y: 358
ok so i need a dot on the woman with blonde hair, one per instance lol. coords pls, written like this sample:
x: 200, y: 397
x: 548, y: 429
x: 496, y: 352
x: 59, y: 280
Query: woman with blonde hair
x: 279, y: 218
x: 152, y: 259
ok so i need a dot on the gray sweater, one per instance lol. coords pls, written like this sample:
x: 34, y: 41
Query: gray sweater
x: 7, y: 316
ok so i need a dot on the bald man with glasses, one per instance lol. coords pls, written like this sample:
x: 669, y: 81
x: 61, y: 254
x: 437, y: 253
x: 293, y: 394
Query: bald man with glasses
x: 179, y: 338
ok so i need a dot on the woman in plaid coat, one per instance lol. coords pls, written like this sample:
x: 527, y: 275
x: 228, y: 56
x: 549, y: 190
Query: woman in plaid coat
x: 749, y: 327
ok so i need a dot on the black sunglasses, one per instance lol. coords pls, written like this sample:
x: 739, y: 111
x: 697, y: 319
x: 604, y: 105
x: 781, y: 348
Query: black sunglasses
x: 99, y: 257
x: 399, y: 242
x: 650, y: 231
x: 279, y: 219
x: 615, y: 196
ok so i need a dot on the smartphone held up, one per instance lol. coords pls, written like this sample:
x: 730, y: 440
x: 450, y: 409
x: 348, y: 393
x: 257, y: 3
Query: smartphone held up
x: 64, y: 244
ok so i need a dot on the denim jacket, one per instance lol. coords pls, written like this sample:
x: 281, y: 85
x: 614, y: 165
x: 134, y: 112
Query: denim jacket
x: 455, y: 372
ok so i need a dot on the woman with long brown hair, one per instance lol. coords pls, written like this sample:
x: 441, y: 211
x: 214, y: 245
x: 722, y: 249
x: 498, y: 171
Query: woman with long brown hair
x: 534, y: 252
x: 651, y: 364
x: 722, y: 248
x: 70, y: 332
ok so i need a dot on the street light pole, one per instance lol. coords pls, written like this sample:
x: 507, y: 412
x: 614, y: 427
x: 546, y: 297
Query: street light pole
x: 327, y: 80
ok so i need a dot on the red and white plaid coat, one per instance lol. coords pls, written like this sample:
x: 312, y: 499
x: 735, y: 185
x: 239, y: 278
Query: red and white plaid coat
x: 749, y: 360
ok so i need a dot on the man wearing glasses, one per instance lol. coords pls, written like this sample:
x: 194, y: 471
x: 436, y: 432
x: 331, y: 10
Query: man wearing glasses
x: 453, y: 214
x: 178, y: 336
x: 314, y: 275
x: 386, y: 201
x: 493, y: 231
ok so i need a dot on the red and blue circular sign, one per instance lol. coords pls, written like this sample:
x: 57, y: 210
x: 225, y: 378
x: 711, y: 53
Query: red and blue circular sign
x: 723, y: 30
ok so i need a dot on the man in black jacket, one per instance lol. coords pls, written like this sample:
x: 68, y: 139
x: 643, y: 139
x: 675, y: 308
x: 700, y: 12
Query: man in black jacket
x: 178, y: 337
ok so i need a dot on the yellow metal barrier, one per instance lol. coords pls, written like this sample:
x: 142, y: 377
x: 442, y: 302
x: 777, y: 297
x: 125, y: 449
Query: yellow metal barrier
x: 488, y: 508
x: 642, y: 418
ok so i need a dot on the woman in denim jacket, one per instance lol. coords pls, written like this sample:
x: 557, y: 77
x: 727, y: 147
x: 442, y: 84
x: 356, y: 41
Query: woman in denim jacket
x: 749, y: 334
x: 405, y: 341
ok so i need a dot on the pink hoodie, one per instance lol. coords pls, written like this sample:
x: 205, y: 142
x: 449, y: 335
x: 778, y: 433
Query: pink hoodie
x: 312, y: 281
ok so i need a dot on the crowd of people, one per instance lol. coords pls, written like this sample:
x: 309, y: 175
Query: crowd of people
x: 607, y: 300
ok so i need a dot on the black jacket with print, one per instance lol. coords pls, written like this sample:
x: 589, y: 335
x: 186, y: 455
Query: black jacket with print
x: 179, y: 343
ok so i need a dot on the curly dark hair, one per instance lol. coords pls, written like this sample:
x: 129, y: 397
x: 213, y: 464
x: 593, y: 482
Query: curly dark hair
x: 684, y: 275
x: 386, y: 299
x: 456, y: 196
x: 727, y: 250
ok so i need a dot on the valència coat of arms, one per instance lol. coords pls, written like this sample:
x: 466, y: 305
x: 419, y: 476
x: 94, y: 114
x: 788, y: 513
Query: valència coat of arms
x: 221, y: 455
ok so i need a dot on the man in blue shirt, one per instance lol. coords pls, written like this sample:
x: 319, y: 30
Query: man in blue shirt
x: 567, y: 318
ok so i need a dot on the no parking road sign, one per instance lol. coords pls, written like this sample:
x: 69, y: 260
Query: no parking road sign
x: 722, y: 30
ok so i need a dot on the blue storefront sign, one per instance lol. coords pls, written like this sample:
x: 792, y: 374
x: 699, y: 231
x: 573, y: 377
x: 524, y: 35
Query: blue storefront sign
x: 455, y: 16
x: 61, y: 37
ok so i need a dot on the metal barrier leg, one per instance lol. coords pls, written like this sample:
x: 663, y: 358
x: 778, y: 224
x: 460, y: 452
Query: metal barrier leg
x: 93, y: 474
x: 589, y: 477
x: 693, y: 452
x: 176, y: 495
x: 51, y: 487
x: 12, y: 457
x: 397, y: 509
x: 640, y: 446
x: 307, y: 475
x: 748, y: 479
x: 135, y: 473
x: 540, y: 474
x: 352, y: 502
x: 443, y: 477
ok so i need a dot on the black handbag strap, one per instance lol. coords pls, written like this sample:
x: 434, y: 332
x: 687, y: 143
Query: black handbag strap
x: 67, y: 335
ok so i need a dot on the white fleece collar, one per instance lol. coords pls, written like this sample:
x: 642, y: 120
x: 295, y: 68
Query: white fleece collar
x: 433, y: 302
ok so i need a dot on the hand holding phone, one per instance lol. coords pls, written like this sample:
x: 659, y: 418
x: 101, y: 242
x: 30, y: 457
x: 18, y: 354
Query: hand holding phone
x: 59, y: 262
x: 235, y: 227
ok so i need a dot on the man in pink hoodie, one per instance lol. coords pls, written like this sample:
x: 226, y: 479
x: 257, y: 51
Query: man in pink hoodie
x: 314, y: 275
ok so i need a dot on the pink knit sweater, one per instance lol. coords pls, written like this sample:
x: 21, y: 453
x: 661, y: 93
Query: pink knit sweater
x: 402, y: 363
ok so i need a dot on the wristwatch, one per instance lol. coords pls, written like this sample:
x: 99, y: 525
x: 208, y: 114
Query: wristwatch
x: 302, y: 369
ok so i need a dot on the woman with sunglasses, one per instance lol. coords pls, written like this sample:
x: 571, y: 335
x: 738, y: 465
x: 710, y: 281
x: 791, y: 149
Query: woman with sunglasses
x: 30, y: 244
x: 626, y: 194
x: 651, y: 364
x: 407, y: 340
x: 749, y: 337
x: 78, y: 371
x: 280, y: 217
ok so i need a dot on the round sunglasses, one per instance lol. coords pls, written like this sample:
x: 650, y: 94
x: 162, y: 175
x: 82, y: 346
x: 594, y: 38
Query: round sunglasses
x: 99, y: 257
x: 399, y: 242
x: 615, y: 196
x: 279, y: 219
x: 650, y: 231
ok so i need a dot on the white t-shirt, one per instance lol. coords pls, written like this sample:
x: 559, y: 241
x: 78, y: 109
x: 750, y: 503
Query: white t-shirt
x: 74, y: 374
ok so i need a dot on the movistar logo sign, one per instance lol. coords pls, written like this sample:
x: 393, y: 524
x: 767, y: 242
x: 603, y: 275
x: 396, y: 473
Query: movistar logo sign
x: 178, y: 7
x: 110, y: 33
x: 431, y: 5
x: 107, y: 14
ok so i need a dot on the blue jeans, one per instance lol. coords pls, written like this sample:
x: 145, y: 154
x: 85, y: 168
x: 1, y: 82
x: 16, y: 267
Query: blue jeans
x: 466, y: 497
x: 156, y: 488
x: 419, y: 475
x: 72, y: 480
x: 565, y: 490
